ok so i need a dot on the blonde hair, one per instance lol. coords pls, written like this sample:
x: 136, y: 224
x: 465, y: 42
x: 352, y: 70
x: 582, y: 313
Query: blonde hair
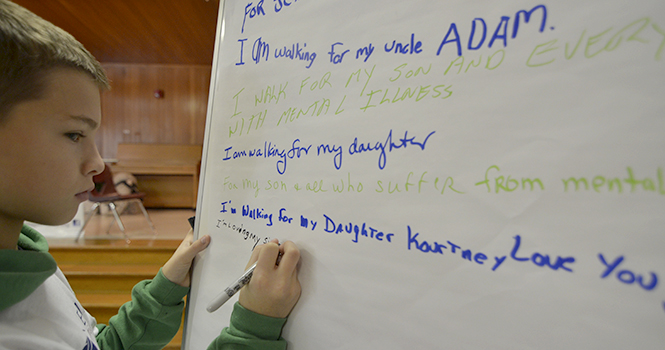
x: 29, y: 48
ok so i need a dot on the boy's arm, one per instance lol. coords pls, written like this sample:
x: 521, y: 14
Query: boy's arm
x: 153, y: 316
x: 250, y: 331
x: 264, y: 304
x: 149, y: 321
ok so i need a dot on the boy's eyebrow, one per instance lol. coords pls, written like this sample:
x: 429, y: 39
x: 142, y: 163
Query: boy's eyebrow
x: 87, y: 120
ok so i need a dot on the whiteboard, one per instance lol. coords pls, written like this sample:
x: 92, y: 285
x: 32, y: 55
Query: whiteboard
x: 458, y: 174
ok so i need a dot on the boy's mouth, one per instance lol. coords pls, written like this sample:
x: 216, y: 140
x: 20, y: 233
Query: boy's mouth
x: 83, y: 196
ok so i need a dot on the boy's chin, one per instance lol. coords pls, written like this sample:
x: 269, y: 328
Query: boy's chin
x: 52, y: 222
x: 60, y: 218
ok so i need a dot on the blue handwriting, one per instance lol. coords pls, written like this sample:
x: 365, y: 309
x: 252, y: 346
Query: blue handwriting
x: 337, y: 150
x: 280, y: 4
x: 256, y: 214
x: 438, y: 248
x: 335, y: 57
x: 269, y: 151
x: 410, y: 48
x: 627, y: 276
x: 500, y: 34
x: 387, y: 146
x: 542, y: 260
x: 357, y: 231
x: 252, y: 11
x: 296, y: 52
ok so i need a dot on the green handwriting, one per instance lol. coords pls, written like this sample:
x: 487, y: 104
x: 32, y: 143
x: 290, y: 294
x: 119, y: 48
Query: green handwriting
x: 357, y: 74
x: 417, y: 93
x: 423, y: 182
x: 596, y: 43
x: 271, y: 94
x: 255, y: 121
x: 410, y: 73
x: 315, y: 109
x: 601, y: 183
x: 501, y: 183
x: 493, y: 61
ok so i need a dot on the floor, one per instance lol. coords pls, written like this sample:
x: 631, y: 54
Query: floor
x: 169, y: 224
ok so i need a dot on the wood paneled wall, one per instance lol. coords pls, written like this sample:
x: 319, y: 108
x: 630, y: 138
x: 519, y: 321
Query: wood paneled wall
x: 137, y: 31
x: 131, y: 112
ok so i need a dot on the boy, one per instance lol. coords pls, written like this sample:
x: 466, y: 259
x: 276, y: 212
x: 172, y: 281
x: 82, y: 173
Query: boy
x: 49, y: 114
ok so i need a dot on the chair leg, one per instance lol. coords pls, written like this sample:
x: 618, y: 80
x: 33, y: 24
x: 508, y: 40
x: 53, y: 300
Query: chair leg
x: 147, y: 217
x: 93, y: 209
x: 108, y: 228
x: 117, y: 219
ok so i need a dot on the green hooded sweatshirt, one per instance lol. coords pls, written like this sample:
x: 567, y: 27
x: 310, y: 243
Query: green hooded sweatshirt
x: 148, y: 321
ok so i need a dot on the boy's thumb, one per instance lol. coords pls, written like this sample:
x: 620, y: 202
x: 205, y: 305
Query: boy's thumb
x: 198, y: 246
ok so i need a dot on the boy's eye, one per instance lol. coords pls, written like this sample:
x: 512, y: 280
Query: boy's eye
x: 74, y: 136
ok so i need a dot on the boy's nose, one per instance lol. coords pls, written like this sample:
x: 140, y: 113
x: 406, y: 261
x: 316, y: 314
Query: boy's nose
x: 95, y: 164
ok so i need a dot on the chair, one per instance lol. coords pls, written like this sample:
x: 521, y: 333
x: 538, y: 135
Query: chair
x: 106, y: 193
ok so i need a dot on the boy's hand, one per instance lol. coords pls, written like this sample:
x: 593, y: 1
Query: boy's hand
x: 274, y: 289
x: 177, y: 268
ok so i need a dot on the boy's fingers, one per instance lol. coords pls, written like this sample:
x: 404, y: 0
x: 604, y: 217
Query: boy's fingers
x: 176, y: 269
x: 254, y: 257
x: 268, y: 256
x: 188, y: 238
x: 189, y: 249
x: 290, y: 257
x: 199, y: 245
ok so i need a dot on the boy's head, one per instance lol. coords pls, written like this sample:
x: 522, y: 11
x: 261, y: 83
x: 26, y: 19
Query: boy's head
x: 50, y: 112
x: 30, y: 48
